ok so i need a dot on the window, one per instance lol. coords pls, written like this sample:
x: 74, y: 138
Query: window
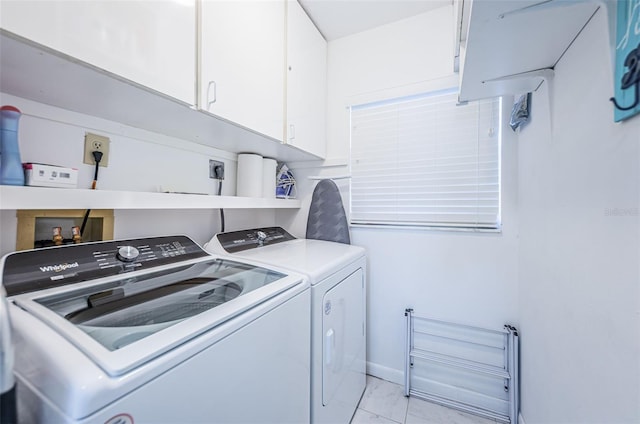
x: 423, y: 160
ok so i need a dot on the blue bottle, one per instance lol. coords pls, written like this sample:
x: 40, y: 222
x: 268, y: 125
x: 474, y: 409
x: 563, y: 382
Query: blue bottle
x: 11, y: 172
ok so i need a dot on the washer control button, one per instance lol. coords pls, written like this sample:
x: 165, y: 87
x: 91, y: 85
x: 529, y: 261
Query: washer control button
x: 127, y: 253
x: 262, y: 236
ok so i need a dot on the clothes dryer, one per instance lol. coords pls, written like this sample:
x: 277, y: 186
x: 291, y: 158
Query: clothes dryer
x: 337, y: 274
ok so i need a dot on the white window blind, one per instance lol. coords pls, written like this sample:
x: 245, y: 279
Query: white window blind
x: 426, y: 161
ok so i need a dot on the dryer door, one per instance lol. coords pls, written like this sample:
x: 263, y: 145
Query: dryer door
x: 343, y: 371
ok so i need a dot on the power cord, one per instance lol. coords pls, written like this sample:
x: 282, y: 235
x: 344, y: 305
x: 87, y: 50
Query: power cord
x: 219, y: 176
x: 97, y: 157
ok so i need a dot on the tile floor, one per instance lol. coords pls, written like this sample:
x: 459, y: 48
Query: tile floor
x: 384, y: 403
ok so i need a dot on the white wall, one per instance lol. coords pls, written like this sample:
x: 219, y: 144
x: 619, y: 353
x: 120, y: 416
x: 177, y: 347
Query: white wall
x: 139, y: 161
x: 453, y: 275
x: 579, y: 258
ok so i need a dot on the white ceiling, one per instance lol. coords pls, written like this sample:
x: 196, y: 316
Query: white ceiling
x: 339, y: 18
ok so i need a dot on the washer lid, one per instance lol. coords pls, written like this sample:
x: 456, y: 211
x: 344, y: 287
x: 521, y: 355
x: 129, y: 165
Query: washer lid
x: 122, y: 323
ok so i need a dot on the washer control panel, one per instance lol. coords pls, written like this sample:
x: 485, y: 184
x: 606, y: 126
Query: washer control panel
x: 41, y: 269
x: 237, y: 241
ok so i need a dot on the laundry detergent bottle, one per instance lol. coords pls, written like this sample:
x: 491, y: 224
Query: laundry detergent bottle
x: 11, y: 172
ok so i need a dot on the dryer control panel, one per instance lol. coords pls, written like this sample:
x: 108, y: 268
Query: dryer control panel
x: 237, y: 241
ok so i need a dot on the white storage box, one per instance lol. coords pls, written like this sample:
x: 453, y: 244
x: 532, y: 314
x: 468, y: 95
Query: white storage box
x: 40, y: 175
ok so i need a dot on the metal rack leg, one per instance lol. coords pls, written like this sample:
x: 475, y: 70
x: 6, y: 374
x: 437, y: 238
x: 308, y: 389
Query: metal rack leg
x: 514, y: 384
x: 516, y: 375
x: 407, y: 358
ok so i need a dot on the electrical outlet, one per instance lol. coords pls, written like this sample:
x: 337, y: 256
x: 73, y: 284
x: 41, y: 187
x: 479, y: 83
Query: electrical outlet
x: 212, y: 169
x: 93, y: 142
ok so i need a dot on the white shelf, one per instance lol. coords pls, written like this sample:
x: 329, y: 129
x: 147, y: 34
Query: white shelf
x: 37, y: 73
x: 19, y: 197
x: 512, y: 46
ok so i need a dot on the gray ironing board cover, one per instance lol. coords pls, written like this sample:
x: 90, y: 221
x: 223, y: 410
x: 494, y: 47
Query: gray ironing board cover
x: 327, y: 219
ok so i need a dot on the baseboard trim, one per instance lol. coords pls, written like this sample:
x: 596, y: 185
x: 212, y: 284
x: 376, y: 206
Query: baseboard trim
x: 385, y: 373
x: 520, y: 418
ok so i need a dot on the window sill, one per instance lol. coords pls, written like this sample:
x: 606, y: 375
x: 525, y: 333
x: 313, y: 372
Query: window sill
x: 428, y: 228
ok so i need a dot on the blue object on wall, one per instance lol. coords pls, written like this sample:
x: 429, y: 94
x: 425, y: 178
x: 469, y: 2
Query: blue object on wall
x: 627, y: 73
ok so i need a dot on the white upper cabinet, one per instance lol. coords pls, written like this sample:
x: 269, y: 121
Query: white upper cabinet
x: 306, y: 82
x: 242, y: 63
x: 512, y: 46
x: 147, y: 63
x: 151, y: 43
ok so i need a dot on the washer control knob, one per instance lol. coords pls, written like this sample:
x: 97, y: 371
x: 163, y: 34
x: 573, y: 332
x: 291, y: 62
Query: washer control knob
x: 127, y: 253
x: 262, y: 236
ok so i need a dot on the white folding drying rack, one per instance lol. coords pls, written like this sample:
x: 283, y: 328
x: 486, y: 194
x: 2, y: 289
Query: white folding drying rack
x: 461, y: 366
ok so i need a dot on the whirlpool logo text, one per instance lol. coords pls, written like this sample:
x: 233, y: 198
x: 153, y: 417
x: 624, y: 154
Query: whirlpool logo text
x: 59, y: 267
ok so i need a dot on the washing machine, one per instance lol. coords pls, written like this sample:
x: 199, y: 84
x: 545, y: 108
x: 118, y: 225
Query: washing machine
x: 156, y: 330
x: 337, y: 273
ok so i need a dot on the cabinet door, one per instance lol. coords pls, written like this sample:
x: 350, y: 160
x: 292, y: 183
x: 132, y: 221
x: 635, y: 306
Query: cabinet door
x: 149, y: 42
x: 306, y: 82
x: 242, y: 63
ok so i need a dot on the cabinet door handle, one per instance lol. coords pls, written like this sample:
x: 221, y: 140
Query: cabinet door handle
x: 215, y: 96
x: 292, y: 132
